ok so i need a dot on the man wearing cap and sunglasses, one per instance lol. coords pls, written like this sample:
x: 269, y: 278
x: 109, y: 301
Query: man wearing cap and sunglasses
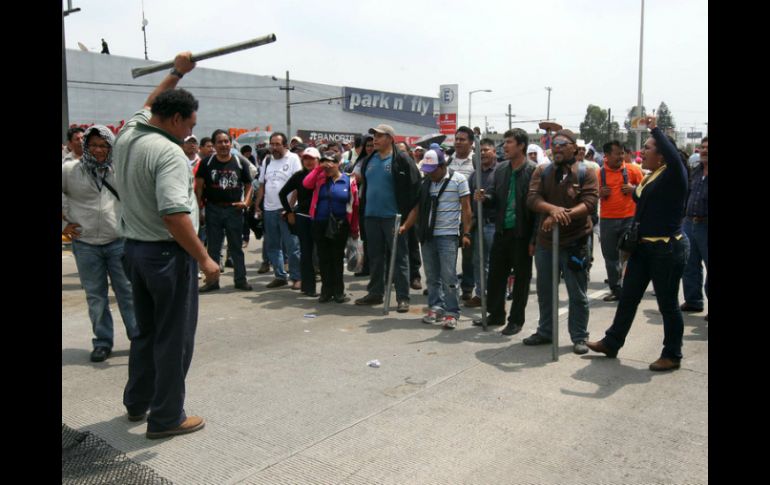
x: 566, y: 193
x: 391, y: 183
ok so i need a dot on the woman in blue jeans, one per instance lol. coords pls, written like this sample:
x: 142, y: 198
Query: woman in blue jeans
x: 661, y: 253
x: 335, y: 198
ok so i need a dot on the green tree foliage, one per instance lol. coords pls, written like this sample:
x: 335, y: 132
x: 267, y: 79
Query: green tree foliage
x: 665, y: 120
x: 595, y: 128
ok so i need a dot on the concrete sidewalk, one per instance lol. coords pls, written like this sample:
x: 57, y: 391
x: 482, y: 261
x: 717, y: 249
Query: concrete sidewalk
x: 290, y: 399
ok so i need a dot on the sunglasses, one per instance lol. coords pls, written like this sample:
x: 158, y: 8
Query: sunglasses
x: 561, y: 143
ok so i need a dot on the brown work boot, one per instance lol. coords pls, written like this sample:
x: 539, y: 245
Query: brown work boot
x: 664, y: 364
x: 189, y: 425
x: 602, y: 348
x: 473, y: 302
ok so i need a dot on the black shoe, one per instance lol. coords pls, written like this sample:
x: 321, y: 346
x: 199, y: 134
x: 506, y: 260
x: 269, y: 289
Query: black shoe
x: 311, y: 295
x: 536, y: 339
x: 491, y: 322
x: 686, y: 307
x: 512, y: 329
x: 611, y: 297
x: 425, y: 292
x: 706, y: 317
x: 342, y: 298
x: 403, y: 306
x: 416, y: 284
x: 136, y: 417
x: 467, y: 295
x: 324, y: 299
x: 229, y: 263
x: 209, y: 287
x: 100, y: 354
x: 243, y: 286
x: 369, y: 300
x: 361, y: 273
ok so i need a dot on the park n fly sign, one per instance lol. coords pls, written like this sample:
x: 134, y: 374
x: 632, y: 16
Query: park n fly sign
x: 417, y: 110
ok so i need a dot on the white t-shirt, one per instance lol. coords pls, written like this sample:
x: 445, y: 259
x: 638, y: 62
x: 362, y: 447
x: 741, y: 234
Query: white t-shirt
x: 462, y: 165
x: 278, y: 172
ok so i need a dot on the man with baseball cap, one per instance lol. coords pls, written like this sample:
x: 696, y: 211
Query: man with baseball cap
x: 444, y: 202
x: 391, y: 183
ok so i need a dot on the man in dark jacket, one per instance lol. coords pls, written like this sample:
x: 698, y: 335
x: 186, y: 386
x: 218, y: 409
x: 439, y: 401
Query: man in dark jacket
x: 391, y: 184
x: 513, y: 245
x: 564, y: 193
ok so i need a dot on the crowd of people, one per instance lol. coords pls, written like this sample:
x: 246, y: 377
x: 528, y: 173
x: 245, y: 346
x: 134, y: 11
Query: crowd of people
x: 150, y: 224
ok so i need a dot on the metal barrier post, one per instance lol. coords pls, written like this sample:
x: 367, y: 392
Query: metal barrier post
x: 480, y: 231
x: 555, y: 295
x: 393, y: 250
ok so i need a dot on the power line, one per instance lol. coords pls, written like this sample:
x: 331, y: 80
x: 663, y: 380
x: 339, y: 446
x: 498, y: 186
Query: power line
x: 186, y: 87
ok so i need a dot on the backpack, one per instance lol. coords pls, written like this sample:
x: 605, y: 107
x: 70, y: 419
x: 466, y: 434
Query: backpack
x: 428, y: 211
x: 604, y: 176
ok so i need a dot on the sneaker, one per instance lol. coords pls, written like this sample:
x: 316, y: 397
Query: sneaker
x: 430, y: 318
x: 449, y: 323
x: 243, y: 286
x: 580, y: 347
x: 536, y: 339
x: 277, y: 283
x: 473, y: 302
x: 209, y: 287
x: 403, y: 306
x: 491, y: 321
x: 264, y: 268
x: 369, y: 300
x: 416, y: 284
x: 189, y: 425
x: 100, y: 354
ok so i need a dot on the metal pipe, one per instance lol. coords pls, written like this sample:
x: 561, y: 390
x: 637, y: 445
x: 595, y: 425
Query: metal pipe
x: 142, y: 71
x: 555, y: 295
x: 480, y: 231
x: 393, y: 250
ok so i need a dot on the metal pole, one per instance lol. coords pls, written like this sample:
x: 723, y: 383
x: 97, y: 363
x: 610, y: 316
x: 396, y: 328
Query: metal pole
x: 555, y: 295
x: 548, y: 113
x: 288, y: 108
x: 480, y: 232
x: 393, y: 250
x: 64, y: 99
x: 639, y: 98
x: 510, y: 118
x: 609, y: 124
x: 141, y: 71
x: 470, y: 96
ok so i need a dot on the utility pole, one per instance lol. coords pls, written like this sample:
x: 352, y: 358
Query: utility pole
x: 510, y: 117
x: 639, y: 98
x: 288, y: 107
x: 548, y: 114
x: 609, y: 124
x: 144, y: 32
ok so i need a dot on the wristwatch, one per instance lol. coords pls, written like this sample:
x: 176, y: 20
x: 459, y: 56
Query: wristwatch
x: 176, y: 73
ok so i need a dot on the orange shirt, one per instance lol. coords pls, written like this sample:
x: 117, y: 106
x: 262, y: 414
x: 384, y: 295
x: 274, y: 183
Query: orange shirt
x: 619, y: 205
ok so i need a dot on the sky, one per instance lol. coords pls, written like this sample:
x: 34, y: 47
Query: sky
x: 587, y: 51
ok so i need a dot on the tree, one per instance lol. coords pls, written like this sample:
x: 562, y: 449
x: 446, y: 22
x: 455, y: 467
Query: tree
x: 630, y: 134
x: 594, y: 127
x: 665, y: 120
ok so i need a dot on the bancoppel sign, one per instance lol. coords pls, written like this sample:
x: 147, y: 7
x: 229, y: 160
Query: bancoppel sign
x: 447, y: 120
x: 317, y: 136
x: 417, y: 110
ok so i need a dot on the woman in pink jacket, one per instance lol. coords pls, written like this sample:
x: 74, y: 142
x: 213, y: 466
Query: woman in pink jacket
x: 334, y: 210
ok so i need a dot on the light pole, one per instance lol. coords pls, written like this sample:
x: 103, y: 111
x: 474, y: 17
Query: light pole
x: 639, y: 98
x: 548, y: 113
x: 470, y: 98
x: 144, y: 32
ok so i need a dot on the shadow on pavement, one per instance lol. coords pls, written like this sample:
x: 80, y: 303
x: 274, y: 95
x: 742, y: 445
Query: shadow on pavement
x: 609, y: 375
x: 81, y: 357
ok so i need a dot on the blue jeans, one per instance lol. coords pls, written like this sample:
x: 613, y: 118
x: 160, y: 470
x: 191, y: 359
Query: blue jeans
x: 379, y: 235
x: 439, y: 258
x: 94, y: 264
x: 577, y: 284
x: 164, y: 281
x: 611, y: 230
x: 227, y: 222
x: 663, y: 263
x: 692, y: 279
x: 489, y: 235
x: 277, y: 236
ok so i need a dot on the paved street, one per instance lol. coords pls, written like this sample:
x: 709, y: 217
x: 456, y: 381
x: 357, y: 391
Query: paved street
x: 289, y: 399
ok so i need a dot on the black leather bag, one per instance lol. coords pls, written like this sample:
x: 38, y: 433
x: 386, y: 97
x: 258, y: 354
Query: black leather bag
x: 629, y: 240
x: 333, y: 227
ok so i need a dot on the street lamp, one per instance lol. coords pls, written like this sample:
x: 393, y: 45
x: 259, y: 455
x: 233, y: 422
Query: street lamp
x: 470, y: 98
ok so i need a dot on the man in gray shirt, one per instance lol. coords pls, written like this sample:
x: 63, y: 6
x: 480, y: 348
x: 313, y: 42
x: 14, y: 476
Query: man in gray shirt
x: 162, y: 253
